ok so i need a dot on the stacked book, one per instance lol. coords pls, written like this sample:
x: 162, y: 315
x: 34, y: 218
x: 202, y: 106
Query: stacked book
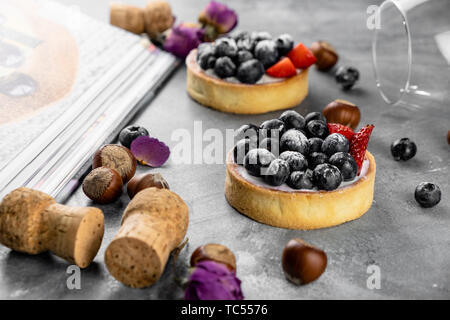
x: 68, y: 83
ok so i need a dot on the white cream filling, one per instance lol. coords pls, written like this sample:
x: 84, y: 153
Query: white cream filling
x: 284, y: 187
x: 264, y: 79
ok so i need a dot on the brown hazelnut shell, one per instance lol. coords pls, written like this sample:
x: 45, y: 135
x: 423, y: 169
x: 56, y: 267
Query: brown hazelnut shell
x: 303, y: 263
x: 343, y: 112
x: 325, y: 54
x: 112, y: 190
x: 126, y: 174
x: 147, y: 180
x: 215, y: 252
x: 448, y: 136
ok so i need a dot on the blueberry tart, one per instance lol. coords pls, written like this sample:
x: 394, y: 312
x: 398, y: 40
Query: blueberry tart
x: 311, y: 184
x: 251, y: 74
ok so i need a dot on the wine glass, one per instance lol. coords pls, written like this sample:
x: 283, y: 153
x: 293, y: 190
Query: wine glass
x: 411, y: 53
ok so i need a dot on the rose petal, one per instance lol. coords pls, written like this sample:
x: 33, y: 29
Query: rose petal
x: 220, y: 16
x: 150, y: 151
x: 183, y: 38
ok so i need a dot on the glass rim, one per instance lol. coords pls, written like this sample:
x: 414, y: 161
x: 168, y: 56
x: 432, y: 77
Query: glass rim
x: 405, y: 88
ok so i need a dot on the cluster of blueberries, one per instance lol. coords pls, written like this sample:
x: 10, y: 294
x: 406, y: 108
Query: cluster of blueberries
x: 308, y: 155
x: 243, y: 55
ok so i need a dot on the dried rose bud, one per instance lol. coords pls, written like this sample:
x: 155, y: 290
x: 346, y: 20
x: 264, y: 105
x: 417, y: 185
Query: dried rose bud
x: 183, y: 38
x: 218, y: 19
x: 213, y: 281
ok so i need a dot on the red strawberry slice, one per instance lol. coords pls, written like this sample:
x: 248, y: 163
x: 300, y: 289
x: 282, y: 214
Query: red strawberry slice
x: 340, y: 128
x: 358, y: 145
x: 282, y: 69
x: 301, y: 56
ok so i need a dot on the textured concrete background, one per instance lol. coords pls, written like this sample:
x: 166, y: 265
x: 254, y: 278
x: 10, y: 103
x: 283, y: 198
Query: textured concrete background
x: 408, y: 243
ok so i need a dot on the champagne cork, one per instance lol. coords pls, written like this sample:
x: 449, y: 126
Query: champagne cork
x: 153, y: 224
x: 158, y: 17
x: 32, y: 222
x: 127, y: 17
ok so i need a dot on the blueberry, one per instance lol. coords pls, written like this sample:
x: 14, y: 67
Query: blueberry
x: 293, y: 120
x: 225, y: 47
x: 317, y: 158
x: 335, y: 142
x: 317, y: 128
x: 237, y: 35
x: 271, y: 144
x: 327, y: 177
x: 346, y: 164
x: 284, y: 43
x: 294, y: 140
x: 260, y: 36
x: 205, y: 47
x: 347, y: 77
x: 315, y: 145
x: 427, y: 194
x: 296, y: 161
x: 206, y: 59
x: 403, y: 149
x: 241, y: 149
x: 243, y: 55
x: 277, y: 173
x: 257, y: 160
x: 250, y: 71
x: 301, y: 180
x: 246, y: 44
x: 266, y: 52
x: 128, y: 134
x: 273, y: 128
x: 315, y: 116
x: 247, y: 131
x: 224, y: 67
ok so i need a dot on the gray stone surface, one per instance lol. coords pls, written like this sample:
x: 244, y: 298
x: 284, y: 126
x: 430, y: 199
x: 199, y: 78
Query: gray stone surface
x: 408, y: 243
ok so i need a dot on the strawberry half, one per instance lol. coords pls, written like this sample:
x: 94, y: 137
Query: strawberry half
x: 358, y: 145
x: 301, y: 56
x: 282, y: 69
x: 340, y: 128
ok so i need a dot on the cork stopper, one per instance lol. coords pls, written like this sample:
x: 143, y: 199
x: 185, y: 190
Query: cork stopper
x: 32, y: 222
x: 154, y: 223
x: 127, y: 17
x: 158, y: 17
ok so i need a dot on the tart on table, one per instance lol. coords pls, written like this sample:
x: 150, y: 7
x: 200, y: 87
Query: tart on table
x: 300, y: 172
x: 249, y: 73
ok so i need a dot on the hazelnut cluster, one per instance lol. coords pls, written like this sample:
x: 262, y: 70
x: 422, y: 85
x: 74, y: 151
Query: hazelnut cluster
x: 113, y: 166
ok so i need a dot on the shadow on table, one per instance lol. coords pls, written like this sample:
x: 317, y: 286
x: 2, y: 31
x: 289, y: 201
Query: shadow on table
x: 41, y: 276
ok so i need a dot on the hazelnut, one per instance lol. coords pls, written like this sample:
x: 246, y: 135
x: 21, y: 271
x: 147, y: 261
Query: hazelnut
x: 448, y: 136
x: 325, y: 54
x: 343, y: 112
x: 103, y: 185
x: 143, y: 181
x: 214, y: 252
x: 303, y: 263
x: 116, y: 157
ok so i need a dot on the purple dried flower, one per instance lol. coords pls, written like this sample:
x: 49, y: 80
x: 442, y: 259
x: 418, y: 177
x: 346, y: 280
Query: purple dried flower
x: 183, y: 38
x: 213, y: 281
x: 219, y: 16
x: 150, y: 151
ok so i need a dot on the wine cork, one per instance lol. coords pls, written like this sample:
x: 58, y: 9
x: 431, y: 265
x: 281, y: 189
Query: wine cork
x: 32, y: 222
x: 127, y: 17
x: 153, y: 224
